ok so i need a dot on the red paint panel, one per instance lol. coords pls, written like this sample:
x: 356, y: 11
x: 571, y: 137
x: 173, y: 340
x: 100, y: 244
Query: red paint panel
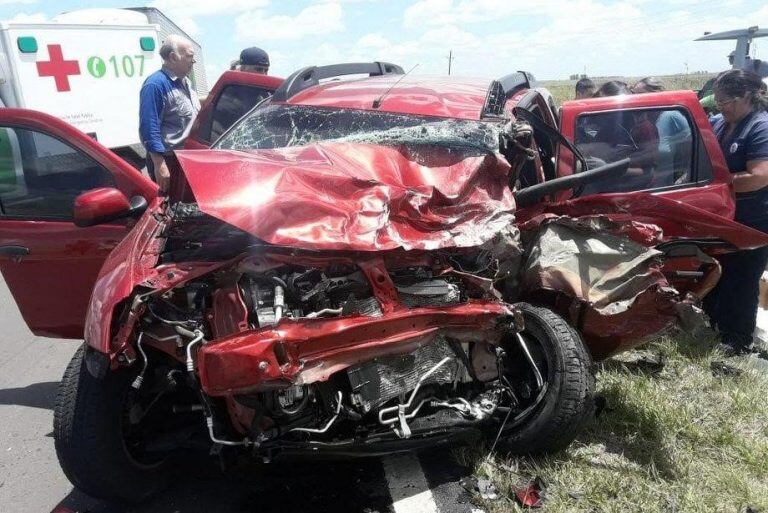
x: 675, y: 218
x: 128, y: 265
x: 606, y: 335
x: 314, y: 349
x: 229, y: 313
x: 194, y: 142
x: 448, y: 97
x: 52, y: 284
x: 715, y: 197
x: 344, y: 196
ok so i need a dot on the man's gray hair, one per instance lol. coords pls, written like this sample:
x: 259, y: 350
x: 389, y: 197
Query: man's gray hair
x: 171, y: 44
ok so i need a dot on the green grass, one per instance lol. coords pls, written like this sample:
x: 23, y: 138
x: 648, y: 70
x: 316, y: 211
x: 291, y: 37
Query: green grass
x: 685, y: 440
x: 564, y: 89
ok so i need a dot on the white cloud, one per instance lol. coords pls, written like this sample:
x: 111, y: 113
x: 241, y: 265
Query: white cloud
x: 213, y: 71
x: 314, y: 20
x: 554, y: 40
x: 448, y: 12
x: 189, y: 26
x: 626, y: 37
x: 192, y: 8
x: 21, y: 17
x: 17, y: 2
x: 761, y: 16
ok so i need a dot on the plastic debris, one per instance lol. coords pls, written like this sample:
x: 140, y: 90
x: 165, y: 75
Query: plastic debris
x: 482, y: 486
x: 531, y: 494
x: 487, y: 489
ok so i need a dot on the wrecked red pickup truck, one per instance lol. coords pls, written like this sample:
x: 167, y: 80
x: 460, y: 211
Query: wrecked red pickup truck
x: 359, y: 267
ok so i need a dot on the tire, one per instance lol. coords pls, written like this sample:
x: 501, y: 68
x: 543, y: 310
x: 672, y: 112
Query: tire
x: 88, y: 434
x: 567, y: 368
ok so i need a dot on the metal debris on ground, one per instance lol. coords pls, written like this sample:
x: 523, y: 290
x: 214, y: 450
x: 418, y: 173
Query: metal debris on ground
x: 482, y: 486
x: 721, y: 368
x: 487, y: 489
x: 641, y: 362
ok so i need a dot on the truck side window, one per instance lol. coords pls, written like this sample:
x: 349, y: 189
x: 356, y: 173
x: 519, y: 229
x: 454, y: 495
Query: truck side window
x: 41, y: 176
x: 234, y: 101
x: 658, y: 142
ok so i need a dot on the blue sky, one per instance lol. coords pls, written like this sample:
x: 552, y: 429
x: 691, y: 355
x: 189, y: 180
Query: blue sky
x: 551, y: 38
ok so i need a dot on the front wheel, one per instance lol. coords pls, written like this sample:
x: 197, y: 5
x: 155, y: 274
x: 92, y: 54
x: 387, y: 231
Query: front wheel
x: 95, y: 437
x: 548, y: 421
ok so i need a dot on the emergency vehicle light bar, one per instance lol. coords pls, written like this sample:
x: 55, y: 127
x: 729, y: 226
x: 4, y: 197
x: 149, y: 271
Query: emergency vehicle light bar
x: 312, y: 75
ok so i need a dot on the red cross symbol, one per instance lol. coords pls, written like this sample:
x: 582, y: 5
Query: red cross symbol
x: 58, y: 68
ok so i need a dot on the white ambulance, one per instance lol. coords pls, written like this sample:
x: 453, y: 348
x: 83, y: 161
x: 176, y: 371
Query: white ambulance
x: 86, y: 68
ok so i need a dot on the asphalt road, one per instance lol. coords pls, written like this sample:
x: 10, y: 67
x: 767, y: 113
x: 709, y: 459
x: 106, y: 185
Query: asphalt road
x: 32, y: 481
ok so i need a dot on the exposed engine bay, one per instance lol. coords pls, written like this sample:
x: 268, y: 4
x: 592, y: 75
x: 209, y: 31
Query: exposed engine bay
x: 427, y: 377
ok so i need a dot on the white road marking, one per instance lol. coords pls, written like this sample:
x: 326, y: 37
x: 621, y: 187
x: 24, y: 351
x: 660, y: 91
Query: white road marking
x: 408, y: 486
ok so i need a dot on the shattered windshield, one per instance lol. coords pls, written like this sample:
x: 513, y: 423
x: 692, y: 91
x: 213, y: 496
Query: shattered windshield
x: 278, y: 126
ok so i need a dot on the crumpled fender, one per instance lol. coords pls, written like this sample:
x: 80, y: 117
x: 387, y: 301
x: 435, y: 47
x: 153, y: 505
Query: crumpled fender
x: 675, y: 218
x: 128, y: 265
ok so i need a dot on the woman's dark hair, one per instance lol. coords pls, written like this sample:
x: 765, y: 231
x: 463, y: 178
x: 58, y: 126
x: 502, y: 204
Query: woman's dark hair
x: 737, y: 83
x: 651, y: 84
x: 584, y: 85
x: 612, y: 88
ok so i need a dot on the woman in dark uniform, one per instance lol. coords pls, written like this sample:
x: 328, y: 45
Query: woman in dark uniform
x: 743, y: 137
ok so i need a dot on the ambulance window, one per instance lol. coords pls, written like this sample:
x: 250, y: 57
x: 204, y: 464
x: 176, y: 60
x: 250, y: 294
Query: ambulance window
x: 40, y: 176
x: 233, y: 103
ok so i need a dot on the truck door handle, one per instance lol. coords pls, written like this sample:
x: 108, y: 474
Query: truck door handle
x: 14, y: 252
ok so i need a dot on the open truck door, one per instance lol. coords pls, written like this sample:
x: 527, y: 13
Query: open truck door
x: 49, y: 263
x: 235, y: 93
x: 661, y: 164
x: 642, y: 168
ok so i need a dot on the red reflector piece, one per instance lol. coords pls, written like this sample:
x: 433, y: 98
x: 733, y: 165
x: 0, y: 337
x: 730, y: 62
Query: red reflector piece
x: 530, y: 495
x: 62, y: 509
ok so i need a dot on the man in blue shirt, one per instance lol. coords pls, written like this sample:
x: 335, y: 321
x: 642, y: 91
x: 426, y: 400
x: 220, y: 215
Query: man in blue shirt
x: 168, y: 106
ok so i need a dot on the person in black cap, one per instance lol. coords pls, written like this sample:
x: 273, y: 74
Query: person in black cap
x: 252, y: 59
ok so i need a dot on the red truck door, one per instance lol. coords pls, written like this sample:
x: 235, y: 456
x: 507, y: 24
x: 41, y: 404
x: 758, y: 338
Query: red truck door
x: 667, y: 135
x: 48, y: 263
x: 235, y: 93
x: 677, y: 177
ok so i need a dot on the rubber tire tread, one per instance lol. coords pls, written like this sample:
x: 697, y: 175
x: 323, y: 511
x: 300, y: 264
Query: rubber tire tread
x: 88, y: 437
x: 569, y: 403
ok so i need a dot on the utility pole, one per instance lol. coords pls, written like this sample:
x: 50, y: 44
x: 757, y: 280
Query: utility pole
x: 450, y: 60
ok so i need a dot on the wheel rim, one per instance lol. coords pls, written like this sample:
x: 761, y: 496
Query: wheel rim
x: 522, y: 378
x: 132, y: 436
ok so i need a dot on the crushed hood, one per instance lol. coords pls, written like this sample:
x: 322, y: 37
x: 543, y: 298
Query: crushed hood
x: 353, y: 196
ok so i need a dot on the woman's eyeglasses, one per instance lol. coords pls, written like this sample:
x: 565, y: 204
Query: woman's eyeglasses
x: 722, y: 103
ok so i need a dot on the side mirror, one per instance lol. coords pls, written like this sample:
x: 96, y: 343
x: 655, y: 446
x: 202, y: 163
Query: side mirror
x: 106, y: 204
